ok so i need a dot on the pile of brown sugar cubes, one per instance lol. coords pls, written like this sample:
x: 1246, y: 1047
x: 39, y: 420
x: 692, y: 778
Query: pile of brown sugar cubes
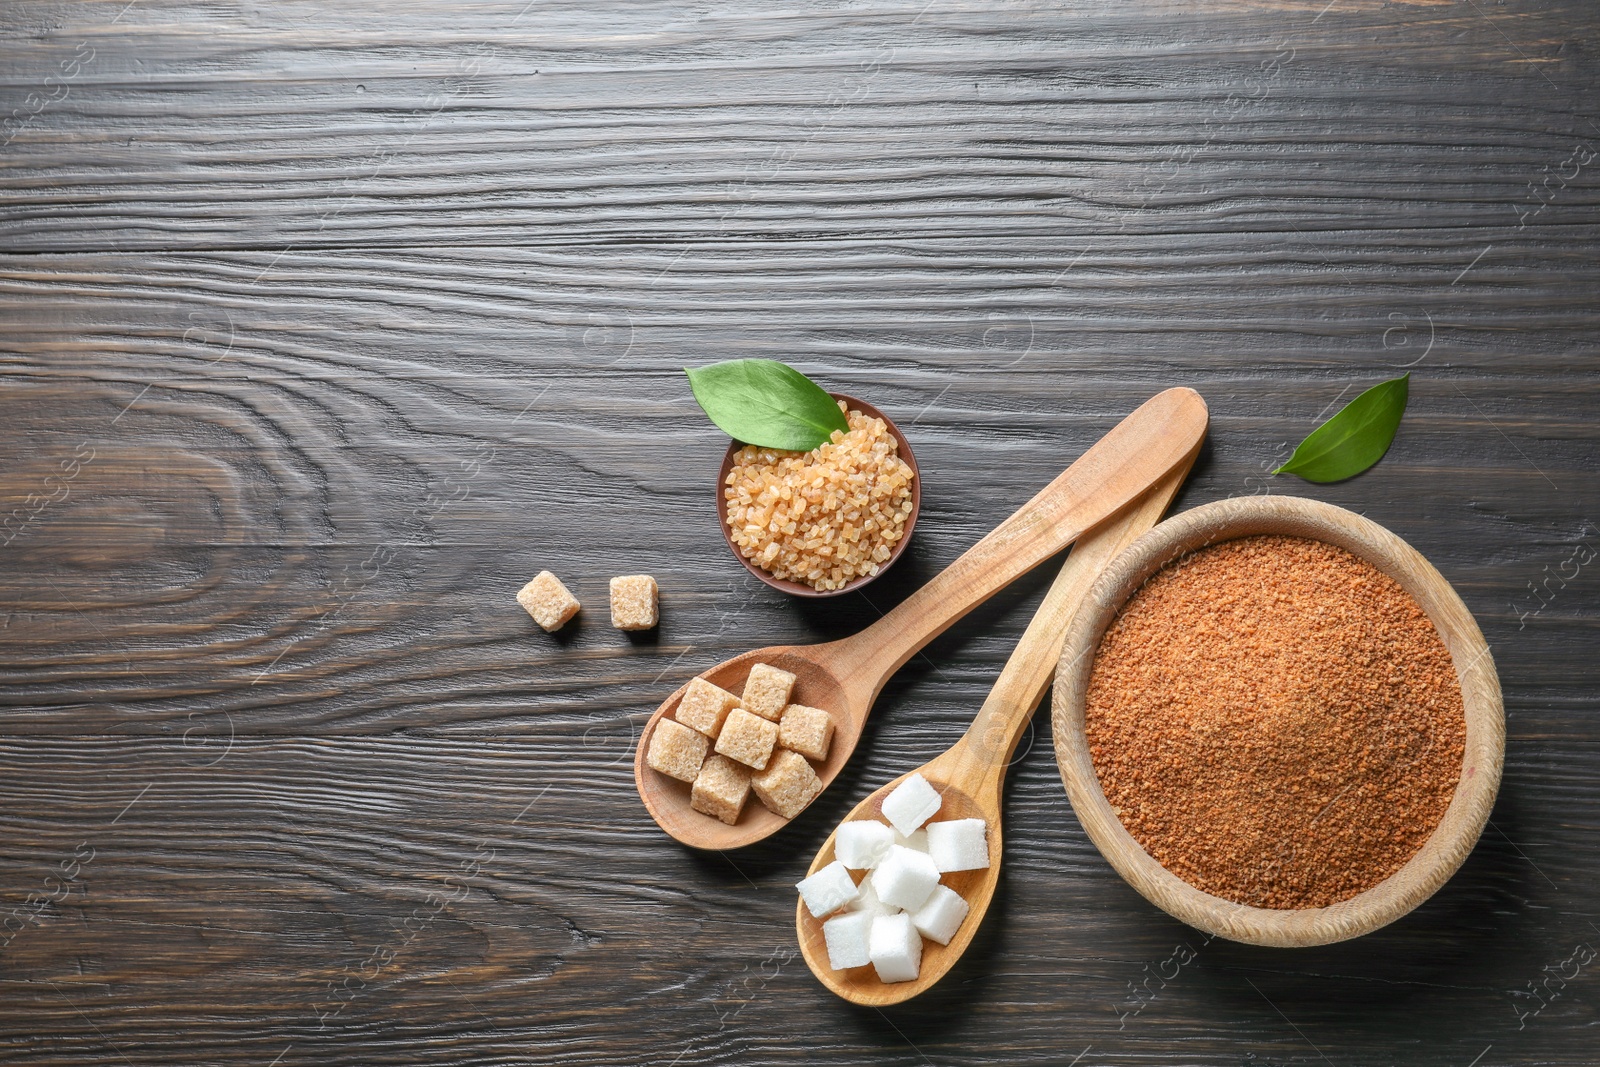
x: 756, y: 741
x: 552, y: 605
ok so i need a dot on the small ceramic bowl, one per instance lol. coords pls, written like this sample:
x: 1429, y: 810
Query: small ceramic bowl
x: 797, y: 588
x: 1445, y: 849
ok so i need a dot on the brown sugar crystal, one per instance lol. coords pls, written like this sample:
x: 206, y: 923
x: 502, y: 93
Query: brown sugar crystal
x: 1276, y: 721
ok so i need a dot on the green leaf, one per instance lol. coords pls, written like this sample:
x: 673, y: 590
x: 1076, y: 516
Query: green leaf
x: 766, y: 403
x: 1355, y: 438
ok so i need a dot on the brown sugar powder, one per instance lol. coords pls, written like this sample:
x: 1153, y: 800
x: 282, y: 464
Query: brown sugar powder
x: 1276, y: 721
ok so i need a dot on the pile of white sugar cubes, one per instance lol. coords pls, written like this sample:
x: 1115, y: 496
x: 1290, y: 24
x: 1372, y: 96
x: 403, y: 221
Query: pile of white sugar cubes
x: 900, y: 900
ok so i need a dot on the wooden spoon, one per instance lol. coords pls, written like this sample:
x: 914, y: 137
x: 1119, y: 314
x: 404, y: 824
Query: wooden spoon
x: 844, y: 677
x: 971, y: 772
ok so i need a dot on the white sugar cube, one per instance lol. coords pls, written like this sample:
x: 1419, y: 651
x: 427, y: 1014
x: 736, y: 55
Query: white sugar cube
x: 917, y: 842
x: 849, y: 940
x: 911, y: 804
x: 862, y: 843
x: 905, y: 878
x: 941, y: 916
x: 828, y: 890
x: 868, y: 901
x: 959, y: 845
x: 895, y: 948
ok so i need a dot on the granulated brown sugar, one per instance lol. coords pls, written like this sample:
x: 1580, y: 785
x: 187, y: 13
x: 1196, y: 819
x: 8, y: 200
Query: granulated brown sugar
x: 824, y: 517
x: 1276, y: 721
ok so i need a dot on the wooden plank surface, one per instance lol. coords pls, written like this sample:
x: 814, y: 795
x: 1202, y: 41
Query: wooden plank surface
x: 325, y: 327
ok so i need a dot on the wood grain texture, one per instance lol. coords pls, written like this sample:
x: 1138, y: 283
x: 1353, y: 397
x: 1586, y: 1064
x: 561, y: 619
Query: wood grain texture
x: 325, y: 327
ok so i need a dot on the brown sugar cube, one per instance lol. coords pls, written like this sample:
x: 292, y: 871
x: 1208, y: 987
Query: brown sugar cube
x: 766, y: 691
x: 806, y: 730
x: 747, y: 738
x: 704, y: 706
x: 677, y: 751
x: 720, y: 789
x: 548, y: 601
x: 788, y: 785
x: 633, y: 602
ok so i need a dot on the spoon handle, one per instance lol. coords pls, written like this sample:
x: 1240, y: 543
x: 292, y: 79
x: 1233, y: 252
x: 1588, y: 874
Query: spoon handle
x: 984, y: 752
x: 1162, y: 433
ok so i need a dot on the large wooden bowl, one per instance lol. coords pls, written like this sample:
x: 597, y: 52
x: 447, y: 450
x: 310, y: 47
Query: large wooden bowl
x: 1464, y: 819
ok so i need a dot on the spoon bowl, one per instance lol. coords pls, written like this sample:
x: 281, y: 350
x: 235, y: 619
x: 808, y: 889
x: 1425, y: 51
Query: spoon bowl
x: 860, y: 985
x: 844, y: 677
x: 815, y: 684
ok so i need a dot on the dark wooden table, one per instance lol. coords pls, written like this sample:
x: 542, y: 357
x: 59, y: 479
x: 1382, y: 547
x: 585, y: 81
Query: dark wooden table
x: 326, y: 326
